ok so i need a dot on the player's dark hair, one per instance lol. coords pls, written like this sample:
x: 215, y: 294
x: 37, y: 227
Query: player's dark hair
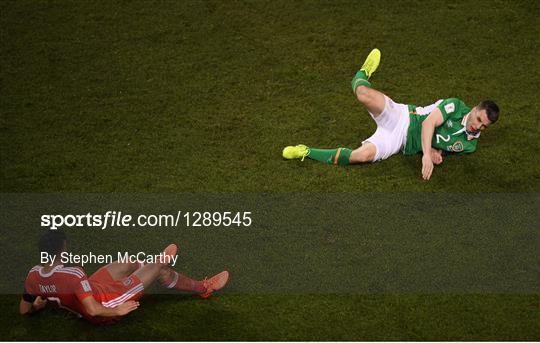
x: 492, y: 110
x: 52, y: 242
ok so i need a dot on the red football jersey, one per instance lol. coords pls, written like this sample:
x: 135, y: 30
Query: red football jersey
x: 66, y: 286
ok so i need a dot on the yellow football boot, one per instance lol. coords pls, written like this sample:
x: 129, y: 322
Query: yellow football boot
x: 292, y: 152
x: 372, y: 62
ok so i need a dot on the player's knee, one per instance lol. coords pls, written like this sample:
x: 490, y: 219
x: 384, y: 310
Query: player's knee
x: 365, y: 153
x: 362, y: 94
x: 164, y: 273
x: 131, y: 267
x: 125, y: 268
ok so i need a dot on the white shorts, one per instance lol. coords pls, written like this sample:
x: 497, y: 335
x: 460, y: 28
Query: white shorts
x: 391, y: 134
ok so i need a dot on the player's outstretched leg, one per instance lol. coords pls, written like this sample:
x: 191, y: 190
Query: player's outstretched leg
x: 171, y: 279
x: 340, y: 156
x: 329, y: 156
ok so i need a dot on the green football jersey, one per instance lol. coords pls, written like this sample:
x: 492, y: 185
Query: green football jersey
x: 450, y: 136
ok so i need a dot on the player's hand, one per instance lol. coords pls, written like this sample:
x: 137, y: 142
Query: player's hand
x: 436, y: 156
x: 427, y: 166
x: 127, y: 307
x: 39, y: 303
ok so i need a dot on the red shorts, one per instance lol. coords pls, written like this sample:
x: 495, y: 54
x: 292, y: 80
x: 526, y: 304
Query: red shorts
x: 110, y: 292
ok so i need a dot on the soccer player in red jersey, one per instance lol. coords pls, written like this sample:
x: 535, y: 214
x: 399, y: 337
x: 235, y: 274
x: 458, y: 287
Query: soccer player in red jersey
x: 111, y: 292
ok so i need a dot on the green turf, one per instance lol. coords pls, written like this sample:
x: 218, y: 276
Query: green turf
x: 151, y: 96
x: 136, y: 96
x: 306, y: 317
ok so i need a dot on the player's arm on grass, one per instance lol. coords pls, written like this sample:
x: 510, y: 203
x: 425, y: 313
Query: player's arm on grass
x: 30, y: 304
x: 94, y: 308
x: 434, y: 119
x: 436, y: 156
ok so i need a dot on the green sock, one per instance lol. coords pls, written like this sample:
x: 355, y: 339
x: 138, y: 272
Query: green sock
x: 331, y: 156
x: 360, y: 79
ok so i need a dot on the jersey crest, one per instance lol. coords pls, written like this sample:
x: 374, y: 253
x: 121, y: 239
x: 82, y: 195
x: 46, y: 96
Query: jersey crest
x: 127, y: 281
x: 456, y: 147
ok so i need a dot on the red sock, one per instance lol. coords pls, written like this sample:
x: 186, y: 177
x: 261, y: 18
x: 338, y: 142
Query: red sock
x: 183, y: 283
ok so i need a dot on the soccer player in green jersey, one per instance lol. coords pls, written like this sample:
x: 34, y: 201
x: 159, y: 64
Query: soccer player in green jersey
x: 448, y: 126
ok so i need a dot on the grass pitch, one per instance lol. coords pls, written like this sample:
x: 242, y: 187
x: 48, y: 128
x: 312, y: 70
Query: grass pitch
x: 124, y: 96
